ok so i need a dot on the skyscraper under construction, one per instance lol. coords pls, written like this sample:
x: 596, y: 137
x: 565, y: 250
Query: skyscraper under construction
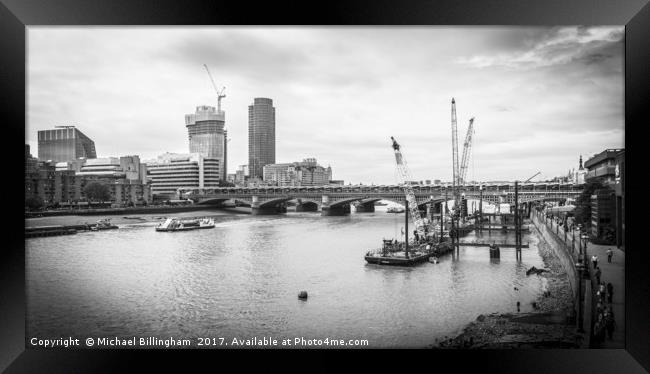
x: 207, y: 135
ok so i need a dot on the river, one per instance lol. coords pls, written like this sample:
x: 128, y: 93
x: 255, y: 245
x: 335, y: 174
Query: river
x: 241, y: 280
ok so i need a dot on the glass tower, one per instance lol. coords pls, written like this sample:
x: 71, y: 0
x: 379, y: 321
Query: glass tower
x: 261, y: 136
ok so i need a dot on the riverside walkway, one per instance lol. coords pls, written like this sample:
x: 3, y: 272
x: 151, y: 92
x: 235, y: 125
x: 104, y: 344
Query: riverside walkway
x: 613, y: 273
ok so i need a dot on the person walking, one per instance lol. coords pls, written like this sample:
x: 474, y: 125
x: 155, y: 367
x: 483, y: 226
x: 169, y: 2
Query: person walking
x: 610, y: 253
x: 597, y: 274
x: 594, y: 260
x: 610, y: 323
x: 610, y: 292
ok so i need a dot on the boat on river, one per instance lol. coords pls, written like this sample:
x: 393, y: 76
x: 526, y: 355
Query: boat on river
x: 395, y: 209
x: 177, y: 224
x: 103, y: 224
x: 396, y: 253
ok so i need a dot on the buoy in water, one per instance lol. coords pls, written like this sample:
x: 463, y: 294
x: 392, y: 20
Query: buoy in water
x: 302, y: 295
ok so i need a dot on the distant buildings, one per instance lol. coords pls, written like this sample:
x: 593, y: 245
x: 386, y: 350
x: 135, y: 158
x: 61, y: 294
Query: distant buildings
x: 64, y: 143
x: 261, y: 136
x: 207, y: 135
x: 171, y: 171
x: 305, y: 173
x: 64, y: 183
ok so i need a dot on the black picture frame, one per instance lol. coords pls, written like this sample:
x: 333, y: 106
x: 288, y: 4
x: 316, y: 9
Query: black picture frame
x: 15, y: 15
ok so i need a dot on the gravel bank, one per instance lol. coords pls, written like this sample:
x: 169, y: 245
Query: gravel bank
x: 548, y: 327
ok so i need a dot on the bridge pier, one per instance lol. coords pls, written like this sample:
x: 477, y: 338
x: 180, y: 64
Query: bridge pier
x: 336, y: 210
x: 365, y: 208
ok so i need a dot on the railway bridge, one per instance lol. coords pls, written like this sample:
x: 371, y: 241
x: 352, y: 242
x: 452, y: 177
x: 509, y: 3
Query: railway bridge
x: 336, y: 200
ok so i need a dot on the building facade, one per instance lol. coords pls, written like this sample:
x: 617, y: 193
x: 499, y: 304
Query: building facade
x: 602, y: 166
x: 64, y: 143
x: 304, y: 173
x: 607, y: 210
x: 207, y: 135
x: 64, y: 183
x: 261, y: 136
x: 172, y: 171
x: 619, y: 192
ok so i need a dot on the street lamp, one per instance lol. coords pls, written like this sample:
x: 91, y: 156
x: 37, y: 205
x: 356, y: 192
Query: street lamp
x: 580, y: 266
x: 584, y: 238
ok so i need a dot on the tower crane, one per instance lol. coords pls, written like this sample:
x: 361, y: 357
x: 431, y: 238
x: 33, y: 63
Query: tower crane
x: 220, y: 94
x: 466, y: 152
x: 536, y: 174
x: 405, y: 176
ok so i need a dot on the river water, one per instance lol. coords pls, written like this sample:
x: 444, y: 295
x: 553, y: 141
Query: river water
x: 241, y: 280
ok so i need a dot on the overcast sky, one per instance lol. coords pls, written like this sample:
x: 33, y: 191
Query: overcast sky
x: 540, y: 96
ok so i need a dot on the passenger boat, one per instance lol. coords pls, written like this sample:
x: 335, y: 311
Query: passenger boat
x: 103, y: 224
x: 176, y: 224
x: 395, y: 209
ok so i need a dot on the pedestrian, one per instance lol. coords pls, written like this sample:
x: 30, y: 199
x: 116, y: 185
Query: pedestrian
x: 610, y: 292
x: 599, y: 330
x: 610, y: 253
x: 594, y: 260
x: 610, y: 324
x: 597, y: 274
x: 518, y: 306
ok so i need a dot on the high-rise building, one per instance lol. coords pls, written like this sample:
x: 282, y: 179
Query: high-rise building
x: 261, y: 136
x: 207, y: 136
x: 171, y: 171
x: 64, y: 143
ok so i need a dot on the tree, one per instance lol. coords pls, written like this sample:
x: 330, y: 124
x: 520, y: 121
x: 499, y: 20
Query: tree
x: 95, y: 191
x: 34, y: 202
x: 582, y: 211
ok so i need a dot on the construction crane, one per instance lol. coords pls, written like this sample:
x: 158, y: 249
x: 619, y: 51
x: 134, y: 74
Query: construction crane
x: 536, y: 174
x: 466, y: 152
x: 405, y: 176
x: 220, y: 94
x: 454, y: 155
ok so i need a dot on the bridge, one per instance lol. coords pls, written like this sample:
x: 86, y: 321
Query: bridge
x: 336, y: 200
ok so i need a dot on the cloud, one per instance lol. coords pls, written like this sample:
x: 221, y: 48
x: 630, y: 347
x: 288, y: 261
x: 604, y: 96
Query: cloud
x: 555, y: 47
x: 341, y: 92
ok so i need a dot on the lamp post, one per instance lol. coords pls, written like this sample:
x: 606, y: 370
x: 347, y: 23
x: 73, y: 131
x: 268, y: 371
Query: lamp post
x: 580, y: 266
x: 584, y: 238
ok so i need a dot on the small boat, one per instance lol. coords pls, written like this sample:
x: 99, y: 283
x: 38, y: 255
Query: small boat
x: 176, y: 224
x: 103, y: 224
x: 395, y: 209
x: 379, y: 203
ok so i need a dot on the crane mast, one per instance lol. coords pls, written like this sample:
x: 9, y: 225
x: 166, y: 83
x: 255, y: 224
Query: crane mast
x: 405, y: 176
x: 466, y: 151
x: 220, y: 94
x: 454, y: 150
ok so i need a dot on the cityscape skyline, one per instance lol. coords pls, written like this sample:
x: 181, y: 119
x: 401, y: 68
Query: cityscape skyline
x: 574, y: 74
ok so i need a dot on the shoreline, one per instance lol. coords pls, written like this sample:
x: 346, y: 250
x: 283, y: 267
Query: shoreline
x: 549, y: 326
x: 132, y: 218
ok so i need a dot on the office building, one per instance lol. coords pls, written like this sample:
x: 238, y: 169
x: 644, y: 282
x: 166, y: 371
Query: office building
x: 602, y: 165
x: 261, y: 136
x: 172, y: 171
x: 607, y: 211
x: 305, y: 173
x: 207, y: 135
x: 64, y: 143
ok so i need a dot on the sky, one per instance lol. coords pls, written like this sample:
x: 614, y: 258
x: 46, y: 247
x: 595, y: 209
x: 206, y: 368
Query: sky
x: 540, y: 96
